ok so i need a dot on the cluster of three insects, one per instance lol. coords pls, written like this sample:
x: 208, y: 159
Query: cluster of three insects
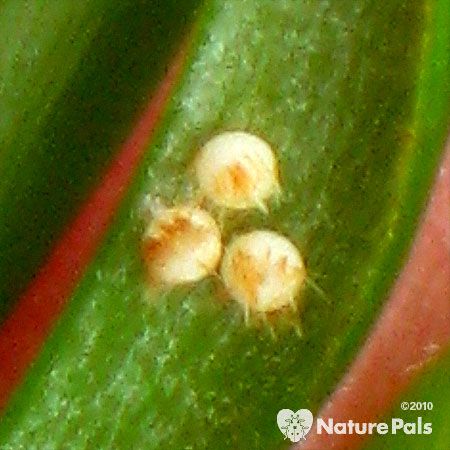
x: 261, y: 269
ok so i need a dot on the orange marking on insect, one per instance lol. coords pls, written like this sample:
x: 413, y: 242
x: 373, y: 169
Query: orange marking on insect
x: 263, y: 271
x: 183, y: 244
x: 237, y: 170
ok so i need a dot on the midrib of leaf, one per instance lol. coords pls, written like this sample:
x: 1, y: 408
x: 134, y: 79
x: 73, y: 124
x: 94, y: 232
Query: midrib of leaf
x: 128, y: 369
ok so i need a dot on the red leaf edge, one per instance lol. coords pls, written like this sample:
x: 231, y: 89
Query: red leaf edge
x: 29, y: 323
x: 412, y: 330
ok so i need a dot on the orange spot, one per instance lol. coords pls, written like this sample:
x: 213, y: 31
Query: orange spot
x: 181, y: 245
x: 234, y: 181
x: 174, y: 236
x: 247, y: 277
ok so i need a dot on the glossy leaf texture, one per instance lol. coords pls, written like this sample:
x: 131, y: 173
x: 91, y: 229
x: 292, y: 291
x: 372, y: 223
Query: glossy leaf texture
x: 353, y: 97
x: 74, y: 77
x: 431, y: 396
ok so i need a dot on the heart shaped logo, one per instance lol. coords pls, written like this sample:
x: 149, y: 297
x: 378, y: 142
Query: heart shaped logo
x: 295, y: 425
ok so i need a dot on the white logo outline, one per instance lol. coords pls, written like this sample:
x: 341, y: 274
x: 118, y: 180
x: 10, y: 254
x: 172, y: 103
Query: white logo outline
x: 295, y: 425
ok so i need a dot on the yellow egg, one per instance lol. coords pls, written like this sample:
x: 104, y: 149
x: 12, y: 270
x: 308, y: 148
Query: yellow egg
x: 181, y: 245
x: 263, y: 271
x: 237, y: 170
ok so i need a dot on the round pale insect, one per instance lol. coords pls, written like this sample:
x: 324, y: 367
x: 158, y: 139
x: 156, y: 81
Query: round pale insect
x: 181, y: 245
x: 263, y: 271
x: 237, y: 170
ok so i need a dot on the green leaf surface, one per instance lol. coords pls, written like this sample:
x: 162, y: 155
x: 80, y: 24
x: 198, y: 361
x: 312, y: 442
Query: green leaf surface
x: 74, y: 75
x: 354, y: 98
x: 432, y: 388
